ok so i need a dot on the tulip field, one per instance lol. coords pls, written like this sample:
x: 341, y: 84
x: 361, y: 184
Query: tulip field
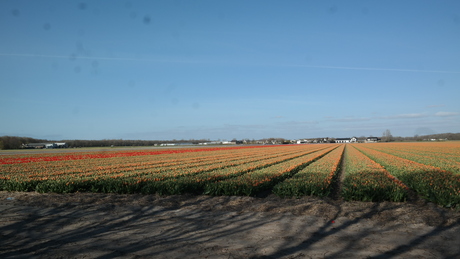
x: 364, y: 171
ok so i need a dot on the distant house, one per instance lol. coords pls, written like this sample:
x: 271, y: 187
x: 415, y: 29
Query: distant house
x: 60, y: 145
x: 34, y: 145
x: 372, y: 140
x: 346, y: 140
x: 45, y: 145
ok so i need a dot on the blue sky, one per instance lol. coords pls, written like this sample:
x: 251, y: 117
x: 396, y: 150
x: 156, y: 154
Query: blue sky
x: 228, y: 69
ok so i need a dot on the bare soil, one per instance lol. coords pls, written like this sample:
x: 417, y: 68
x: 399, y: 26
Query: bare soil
x: 88, y: 225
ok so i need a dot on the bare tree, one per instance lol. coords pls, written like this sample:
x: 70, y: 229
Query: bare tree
x: 386, y: 136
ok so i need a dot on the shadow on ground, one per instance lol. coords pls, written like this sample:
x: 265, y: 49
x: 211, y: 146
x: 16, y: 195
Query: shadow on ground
x: 136, y: 226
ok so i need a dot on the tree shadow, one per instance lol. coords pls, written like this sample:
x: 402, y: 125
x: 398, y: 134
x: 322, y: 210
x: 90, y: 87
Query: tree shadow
x: 349, y: 244
x: 182, y: 230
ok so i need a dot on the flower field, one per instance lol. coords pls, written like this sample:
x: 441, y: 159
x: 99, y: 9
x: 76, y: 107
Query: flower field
x: 430, y: 182
x: 315, y: 179
x: 366, y: 172
x: 367, y: 180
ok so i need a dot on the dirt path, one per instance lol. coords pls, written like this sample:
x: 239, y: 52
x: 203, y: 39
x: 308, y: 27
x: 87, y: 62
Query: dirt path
x: 84, y: 225
x: 338, y: 179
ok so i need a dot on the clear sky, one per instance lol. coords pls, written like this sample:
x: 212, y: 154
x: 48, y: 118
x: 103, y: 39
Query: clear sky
x: 158, y: 70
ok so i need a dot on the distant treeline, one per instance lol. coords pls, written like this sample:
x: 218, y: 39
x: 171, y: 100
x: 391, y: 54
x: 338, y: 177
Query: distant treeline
x: 122, y: 142
x: 11, y: 142
x: 442, y: 136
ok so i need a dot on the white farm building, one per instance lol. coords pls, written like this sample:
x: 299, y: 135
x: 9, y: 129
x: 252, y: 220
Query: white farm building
x: 346, y: 140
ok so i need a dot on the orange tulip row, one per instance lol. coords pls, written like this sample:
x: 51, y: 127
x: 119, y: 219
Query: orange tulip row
x: 380, y: 171
x: 219, y: 163
x: 265, y: 178
x: 444, y: 155
x: 315, y: 179
x: 428, y: 181
x: 367, y: 180
x: 127, y: 165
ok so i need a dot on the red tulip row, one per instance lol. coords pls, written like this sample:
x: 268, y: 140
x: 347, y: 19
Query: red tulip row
x: 128, y: 165
x: 16, y: 159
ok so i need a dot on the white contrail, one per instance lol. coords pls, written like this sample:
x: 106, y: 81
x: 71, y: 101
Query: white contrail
x: 74, y: 56
x: 385, y: 69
